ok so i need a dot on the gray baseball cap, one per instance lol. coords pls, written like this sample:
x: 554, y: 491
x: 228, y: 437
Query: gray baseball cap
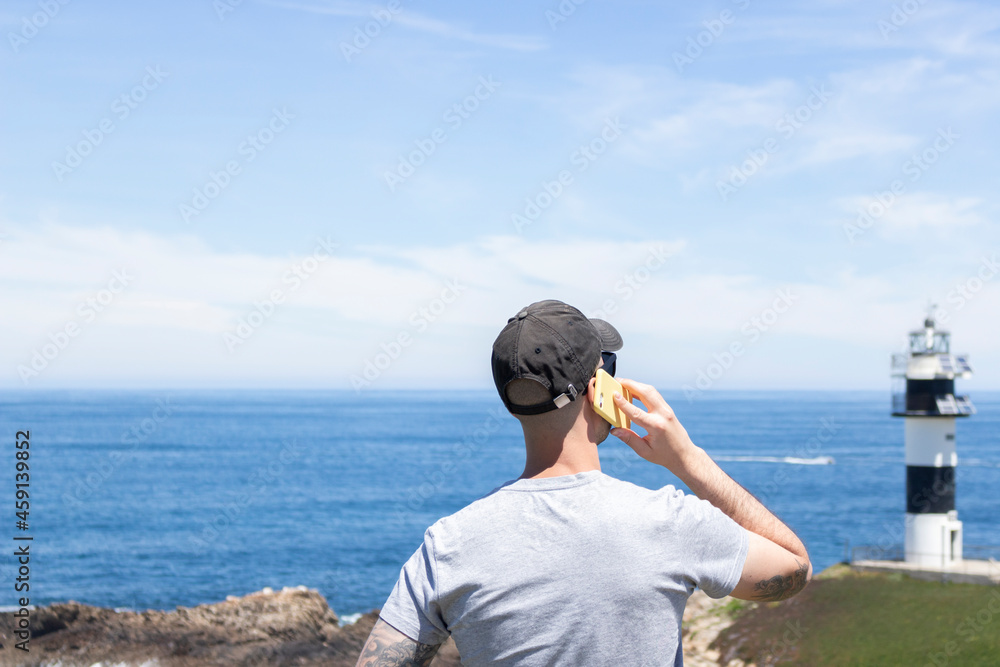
x: 555, y: 345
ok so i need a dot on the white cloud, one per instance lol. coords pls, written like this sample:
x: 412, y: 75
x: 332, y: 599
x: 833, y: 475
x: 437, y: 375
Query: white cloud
x: 419, y: 23
x: 845, y: 146
x: 925, y: 209
x: 960, y: 29
x: 915, y: 213
x: 168, y: 324
x: 182, y: 297
x: 673, y: 118
x: 954, y: 29
x: 690, y: 117
x: 689, y: 124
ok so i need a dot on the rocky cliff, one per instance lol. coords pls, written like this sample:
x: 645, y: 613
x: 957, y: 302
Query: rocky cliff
x: 288, y: 627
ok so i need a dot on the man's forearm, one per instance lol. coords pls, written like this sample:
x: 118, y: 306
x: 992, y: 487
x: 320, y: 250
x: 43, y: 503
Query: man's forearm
x: 709, y: 482
x: 777, y: 564
x: 388, y: 647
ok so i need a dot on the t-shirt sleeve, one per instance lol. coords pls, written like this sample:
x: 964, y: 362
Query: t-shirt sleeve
x: 716, y: 546
x: 412, y: 606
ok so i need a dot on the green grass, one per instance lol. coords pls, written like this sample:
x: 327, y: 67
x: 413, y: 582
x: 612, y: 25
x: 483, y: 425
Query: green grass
x: 848, y: 619
x: 733, y: 607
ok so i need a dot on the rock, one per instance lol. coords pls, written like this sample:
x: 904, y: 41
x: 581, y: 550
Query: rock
x: 292, y: 627
x: 704, y: 619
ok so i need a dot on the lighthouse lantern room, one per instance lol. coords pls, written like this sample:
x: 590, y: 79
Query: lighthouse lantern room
x: 924, y: 395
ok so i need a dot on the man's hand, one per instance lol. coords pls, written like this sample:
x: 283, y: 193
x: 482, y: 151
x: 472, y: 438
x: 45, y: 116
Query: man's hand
x: 667, y: 443
x: 777, y: 565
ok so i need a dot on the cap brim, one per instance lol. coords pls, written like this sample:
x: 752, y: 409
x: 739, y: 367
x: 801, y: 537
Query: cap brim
x: 611, y: 340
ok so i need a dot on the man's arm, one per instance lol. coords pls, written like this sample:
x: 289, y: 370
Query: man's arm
x: 388, y: 647
x: 777, y: 565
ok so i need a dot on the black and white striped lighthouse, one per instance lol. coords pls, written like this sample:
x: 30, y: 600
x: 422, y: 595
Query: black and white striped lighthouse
x: 924, y: 395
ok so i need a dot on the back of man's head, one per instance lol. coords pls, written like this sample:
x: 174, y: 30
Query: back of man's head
x: 543, y: 360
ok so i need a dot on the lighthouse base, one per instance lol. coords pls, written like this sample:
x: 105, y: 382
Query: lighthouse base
x: 967, y: 571
x: 933, y: 540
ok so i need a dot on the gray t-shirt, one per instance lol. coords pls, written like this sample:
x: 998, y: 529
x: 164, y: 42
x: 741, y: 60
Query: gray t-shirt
x: 576, y: 570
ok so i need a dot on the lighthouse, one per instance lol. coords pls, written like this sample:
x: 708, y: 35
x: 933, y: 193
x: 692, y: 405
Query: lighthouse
x: 924, y: 396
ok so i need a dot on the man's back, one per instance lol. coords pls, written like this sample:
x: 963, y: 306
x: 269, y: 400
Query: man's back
x: 567, y: 566
x: 577, y: 569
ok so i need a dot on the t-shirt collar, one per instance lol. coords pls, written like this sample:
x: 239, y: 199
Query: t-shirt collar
x: 553, y: 483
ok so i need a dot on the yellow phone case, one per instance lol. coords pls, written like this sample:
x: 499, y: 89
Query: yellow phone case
x: 604, y: 399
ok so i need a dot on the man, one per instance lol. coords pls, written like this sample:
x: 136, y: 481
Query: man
x: 566, y: 565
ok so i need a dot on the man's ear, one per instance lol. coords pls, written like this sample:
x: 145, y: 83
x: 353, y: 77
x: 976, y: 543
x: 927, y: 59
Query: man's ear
x: 591, y: 390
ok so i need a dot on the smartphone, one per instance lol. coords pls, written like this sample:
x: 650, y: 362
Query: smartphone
x: 604, y: 399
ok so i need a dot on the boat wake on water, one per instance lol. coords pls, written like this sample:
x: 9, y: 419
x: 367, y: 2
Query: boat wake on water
x: 794, y: 460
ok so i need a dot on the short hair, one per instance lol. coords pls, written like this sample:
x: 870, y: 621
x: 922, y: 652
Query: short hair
x: 524, y: 391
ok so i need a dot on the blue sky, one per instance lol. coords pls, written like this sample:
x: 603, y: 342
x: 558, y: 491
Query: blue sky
x: 258, y: 194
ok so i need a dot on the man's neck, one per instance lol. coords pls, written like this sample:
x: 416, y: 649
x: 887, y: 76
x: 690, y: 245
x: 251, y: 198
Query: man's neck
x: 554, y: 455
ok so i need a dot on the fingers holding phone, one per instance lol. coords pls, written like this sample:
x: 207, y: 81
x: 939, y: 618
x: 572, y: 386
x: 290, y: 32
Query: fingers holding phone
x: 666, y: 440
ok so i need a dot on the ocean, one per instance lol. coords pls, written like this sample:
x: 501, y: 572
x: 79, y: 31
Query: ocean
x: 149, y: 500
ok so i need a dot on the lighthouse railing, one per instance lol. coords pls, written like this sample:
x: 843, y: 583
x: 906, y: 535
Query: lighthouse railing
x: 877, y: 552
x: 978, y: 552
x: 900, y: 362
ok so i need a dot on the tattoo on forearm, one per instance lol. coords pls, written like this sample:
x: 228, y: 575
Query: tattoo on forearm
x: 386, y: 647
x: 780, y: 587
